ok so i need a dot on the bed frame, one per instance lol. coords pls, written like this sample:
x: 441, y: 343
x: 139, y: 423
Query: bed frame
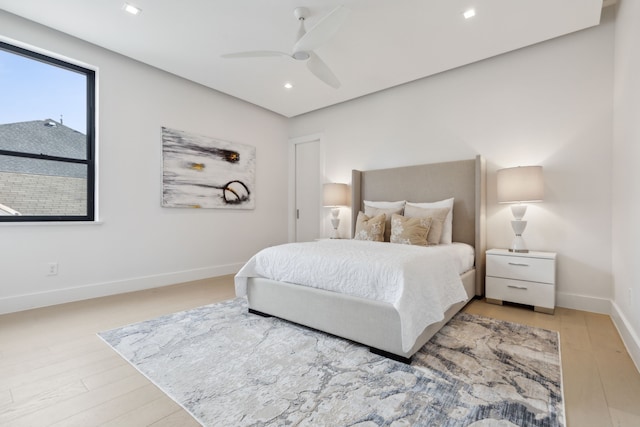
x: 373, y: 323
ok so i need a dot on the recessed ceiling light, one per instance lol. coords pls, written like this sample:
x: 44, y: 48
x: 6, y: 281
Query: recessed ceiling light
x: 470, y: 13
x: 131, y: 9
x: 288, y: 85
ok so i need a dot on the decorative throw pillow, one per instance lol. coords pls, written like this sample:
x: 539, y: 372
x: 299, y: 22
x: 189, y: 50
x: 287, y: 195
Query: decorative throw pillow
x: 368, y: 228
x: 410, y: 231
x: 371, y: 212
x: 447, y: 231
x: 438, y: 216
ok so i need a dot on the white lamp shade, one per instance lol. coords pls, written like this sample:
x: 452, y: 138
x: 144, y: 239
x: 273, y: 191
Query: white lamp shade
x: 520, y: 184
x: 334, y: 194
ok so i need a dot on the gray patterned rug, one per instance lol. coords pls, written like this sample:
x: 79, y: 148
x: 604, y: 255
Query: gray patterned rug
x: 230, y: 368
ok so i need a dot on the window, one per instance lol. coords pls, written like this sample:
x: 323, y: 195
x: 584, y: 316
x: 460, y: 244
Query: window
x: 47, y: 138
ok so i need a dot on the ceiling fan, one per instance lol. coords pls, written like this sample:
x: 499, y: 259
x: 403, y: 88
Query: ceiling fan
x: 307, y: 41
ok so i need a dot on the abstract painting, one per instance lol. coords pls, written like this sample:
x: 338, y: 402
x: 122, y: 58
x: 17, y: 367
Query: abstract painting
x: 204, y: 172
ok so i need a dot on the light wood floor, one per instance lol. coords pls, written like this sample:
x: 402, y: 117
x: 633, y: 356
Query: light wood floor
x: 55, y: 371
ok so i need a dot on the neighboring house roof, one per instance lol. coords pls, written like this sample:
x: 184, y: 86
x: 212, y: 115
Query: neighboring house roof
x: 30, y: 194
x: 43, y: 137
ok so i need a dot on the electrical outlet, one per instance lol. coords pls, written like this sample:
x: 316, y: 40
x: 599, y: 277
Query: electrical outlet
x: 52, y: 269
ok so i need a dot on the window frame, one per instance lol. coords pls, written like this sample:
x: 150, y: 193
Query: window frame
x: 90, y: 161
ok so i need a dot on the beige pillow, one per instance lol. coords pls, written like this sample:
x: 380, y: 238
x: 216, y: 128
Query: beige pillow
x: 370, y: 228
x: 447, y: 231
x: 437, y: 224
x: 370, y: 211
x: 410, y: 231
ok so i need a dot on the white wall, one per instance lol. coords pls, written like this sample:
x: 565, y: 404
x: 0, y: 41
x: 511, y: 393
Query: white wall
x: 549, y: 104
x: 626, y: 177
x: 139, y: 244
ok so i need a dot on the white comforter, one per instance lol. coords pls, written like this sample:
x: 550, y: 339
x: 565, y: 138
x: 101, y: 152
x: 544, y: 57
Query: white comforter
x: 420, y: 282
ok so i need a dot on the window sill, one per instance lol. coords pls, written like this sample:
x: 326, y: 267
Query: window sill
x: 53, y: 223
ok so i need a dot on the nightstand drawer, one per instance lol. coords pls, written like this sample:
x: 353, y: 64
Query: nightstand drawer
x: 521, y: 268
x: 530, y: 293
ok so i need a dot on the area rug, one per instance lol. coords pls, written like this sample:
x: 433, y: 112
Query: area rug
x: 230, y: 368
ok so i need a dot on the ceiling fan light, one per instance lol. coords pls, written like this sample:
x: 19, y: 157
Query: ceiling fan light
x: 301, y: 56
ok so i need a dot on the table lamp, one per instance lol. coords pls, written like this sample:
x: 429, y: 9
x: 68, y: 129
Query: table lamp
x: 519, y: 185
x: 334, y: 195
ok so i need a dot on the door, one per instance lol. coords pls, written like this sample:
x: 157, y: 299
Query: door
x: 307, y: 191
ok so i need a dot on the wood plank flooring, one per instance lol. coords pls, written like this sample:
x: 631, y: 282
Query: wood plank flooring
x: 55, y: 371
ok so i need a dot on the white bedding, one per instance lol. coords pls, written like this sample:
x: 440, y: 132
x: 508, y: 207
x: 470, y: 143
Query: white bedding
x: 420, y: 282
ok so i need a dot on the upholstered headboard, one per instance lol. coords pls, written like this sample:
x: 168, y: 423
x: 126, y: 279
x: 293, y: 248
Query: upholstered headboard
x: 465, y: 180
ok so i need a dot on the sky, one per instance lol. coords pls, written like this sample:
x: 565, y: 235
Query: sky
x: 33, y: 90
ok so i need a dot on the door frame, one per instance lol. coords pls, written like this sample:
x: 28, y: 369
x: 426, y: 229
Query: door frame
x: 291, y: 210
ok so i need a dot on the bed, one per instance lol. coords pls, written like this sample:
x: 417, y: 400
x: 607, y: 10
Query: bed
x: 375, y: 323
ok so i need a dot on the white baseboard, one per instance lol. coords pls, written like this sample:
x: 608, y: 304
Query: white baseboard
x: 627, y: 333
x: 60, y: 296
x: 583, y: 302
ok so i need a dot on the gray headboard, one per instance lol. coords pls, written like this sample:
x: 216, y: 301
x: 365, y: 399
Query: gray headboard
x: 465, y: 180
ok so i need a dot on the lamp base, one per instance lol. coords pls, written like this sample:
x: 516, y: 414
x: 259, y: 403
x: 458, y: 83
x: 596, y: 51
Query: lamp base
x: 335, y: 223
x: 518, y: 245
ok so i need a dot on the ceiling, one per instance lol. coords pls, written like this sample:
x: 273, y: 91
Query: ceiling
x: 381, y: 44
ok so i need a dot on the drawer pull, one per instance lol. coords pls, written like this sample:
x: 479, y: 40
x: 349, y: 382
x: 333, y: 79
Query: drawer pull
x: 518, y: 264
x: 524, y: 288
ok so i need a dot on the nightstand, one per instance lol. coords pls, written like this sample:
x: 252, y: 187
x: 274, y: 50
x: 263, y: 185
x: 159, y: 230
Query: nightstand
x: 525, y: 278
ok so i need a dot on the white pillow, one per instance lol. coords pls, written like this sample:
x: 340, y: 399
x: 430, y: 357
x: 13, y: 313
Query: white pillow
x: 447, y: 231
x: 385, y: 205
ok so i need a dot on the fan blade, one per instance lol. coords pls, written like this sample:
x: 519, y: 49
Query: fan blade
x: 255, y: 54
x: 322, y: 71
x: 323, y: 30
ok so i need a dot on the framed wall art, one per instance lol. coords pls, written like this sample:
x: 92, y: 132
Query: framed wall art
x: 205, y: 172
